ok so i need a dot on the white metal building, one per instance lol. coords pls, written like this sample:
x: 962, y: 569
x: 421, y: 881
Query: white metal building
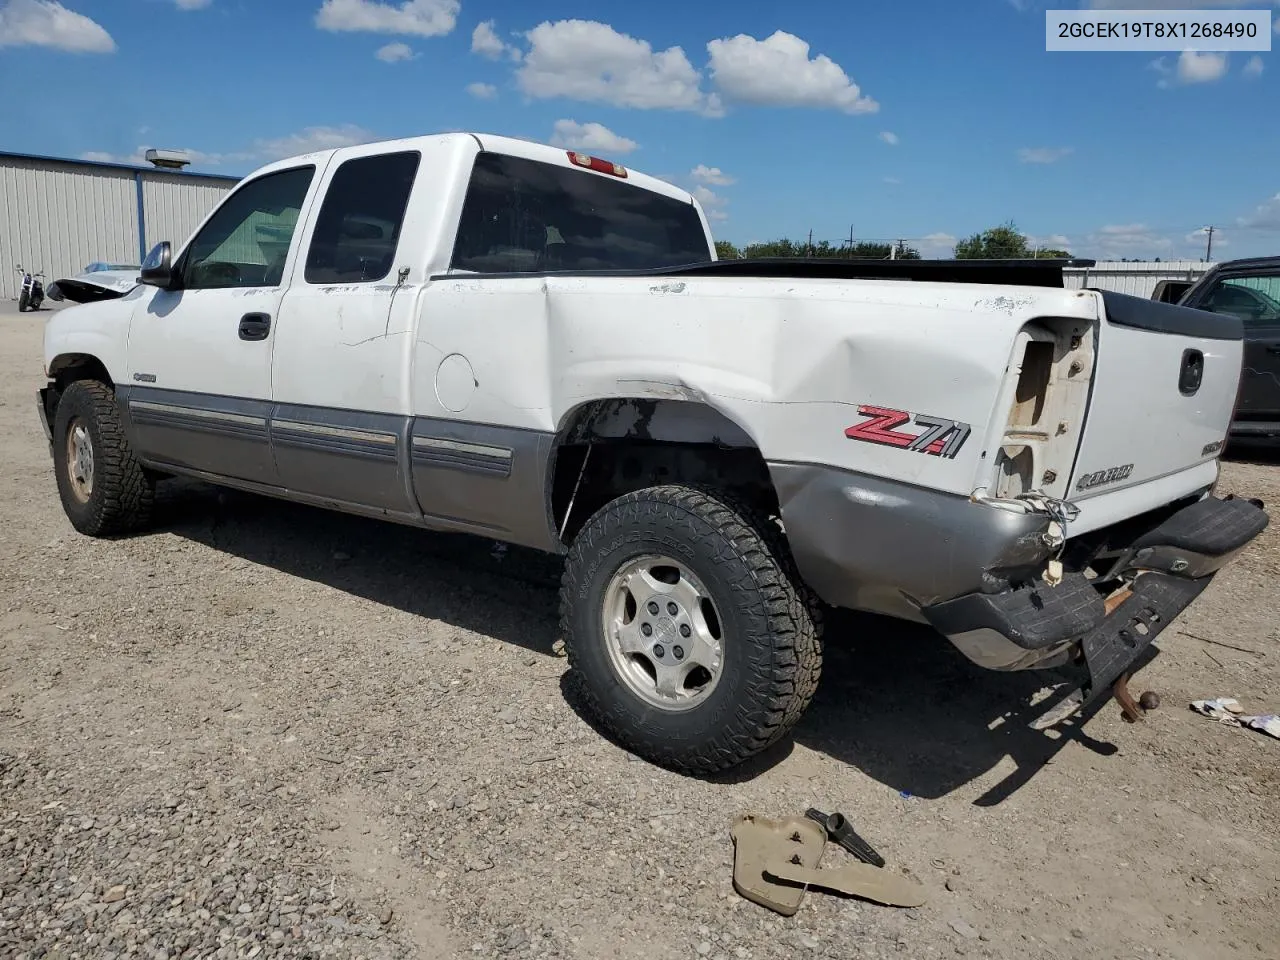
x: 1138, y: 278
x: 61, y: 215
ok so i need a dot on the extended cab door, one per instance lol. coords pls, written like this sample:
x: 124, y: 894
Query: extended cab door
x: 199, y: 356
x: 1253, y: 295
x: 339, y: 372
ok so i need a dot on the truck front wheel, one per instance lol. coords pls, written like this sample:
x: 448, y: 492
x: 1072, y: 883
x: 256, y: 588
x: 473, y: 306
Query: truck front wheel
x: 104, y: 489
x: 688, y: 628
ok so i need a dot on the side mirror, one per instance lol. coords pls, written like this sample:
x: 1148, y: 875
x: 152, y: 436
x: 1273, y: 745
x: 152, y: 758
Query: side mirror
x: 157, y: 269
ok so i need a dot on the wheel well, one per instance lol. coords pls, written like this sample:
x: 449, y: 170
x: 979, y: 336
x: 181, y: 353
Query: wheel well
x: 609, y: 448
x: 65, y: 370
x: 69, y: 367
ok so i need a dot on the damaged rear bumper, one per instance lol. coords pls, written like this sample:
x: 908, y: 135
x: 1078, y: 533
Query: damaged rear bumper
x: 973, y: 571
x: 1038, y: 626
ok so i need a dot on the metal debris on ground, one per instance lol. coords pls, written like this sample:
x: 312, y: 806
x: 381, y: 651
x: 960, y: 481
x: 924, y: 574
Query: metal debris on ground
x: 840, y: 831
x: 1227, y: 710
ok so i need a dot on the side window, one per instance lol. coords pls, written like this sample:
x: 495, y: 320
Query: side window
x: 1255, y: 299
x: 246, y: 241
x: 358, y: 227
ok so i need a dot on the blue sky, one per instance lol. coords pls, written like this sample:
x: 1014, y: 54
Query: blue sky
x: 926, y: 120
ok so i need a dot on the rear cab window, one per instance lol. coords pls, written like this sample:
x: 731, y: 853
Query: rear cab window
x: 527, y: 216
x: 358, y: 227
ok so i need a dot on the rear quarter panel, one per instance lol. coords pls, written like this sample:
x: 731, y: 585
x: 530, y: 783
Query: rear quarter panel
x: 789, y: 361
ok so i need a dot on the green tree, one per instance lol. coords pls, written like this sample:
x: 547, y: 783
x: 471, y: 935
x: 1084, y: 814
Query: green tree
x: 727, y: 251
x: 774, y: 248
x: 996, y: 243
x: 1005, y: 242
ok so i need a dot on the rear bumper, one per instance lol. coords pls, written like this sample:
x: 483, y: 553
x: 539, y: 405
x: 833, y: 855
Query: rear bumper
x: 1038, y: 626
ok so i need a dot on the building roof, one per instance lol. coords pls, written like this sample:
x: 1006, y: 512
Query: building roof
x: 102, y: 164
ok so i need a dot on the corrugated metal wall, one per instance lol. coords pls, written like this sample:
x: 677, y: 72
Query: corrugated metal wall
x: 59, y: 216
x: 1137, y: 279
x: 174, y: 205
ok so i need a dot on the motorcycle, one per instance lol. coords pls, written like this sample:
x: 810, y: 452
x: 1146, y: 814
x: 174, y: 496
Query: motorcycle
x: 32, y: 293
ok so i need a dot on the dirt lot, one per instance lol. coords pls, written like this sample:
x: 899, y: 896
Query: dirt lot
x: 264, y: 730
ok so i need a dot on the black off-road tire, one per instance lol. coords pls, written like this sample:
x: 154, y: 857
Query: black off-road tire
x: 771, y: 626
x: 122, y: 493
x: 23, y: 300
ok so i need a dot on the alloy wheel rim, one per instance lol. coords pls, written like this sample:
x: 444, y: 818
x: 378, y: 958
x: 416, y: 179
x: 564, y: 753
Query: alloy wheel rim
x: 663, y: 633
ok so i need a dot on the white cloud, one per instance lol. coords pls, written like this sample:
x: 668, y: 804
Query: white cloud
x: 1265, y: 217
x: 395, y: 52
x: 777, y: 72
x: 1128, y: 240
x: 138, y: 158
x: 486, y: 42
x: 310, y: 140
x: 482, y: 91
x: 590, y: 61
x: 711, y: 176
x: 1054, y: 241
x: 423, y: 18
x: 192, y: 4
x: 305, y: 141
x: 1254, y: 67
x: 890, y: 138
x: 892, y: 181
x: 937, y: 245
x: 1195, y: 67
x: 1043, y: 154
x: 712, y: 203
x: 590, y: 136
x: 45, y: 23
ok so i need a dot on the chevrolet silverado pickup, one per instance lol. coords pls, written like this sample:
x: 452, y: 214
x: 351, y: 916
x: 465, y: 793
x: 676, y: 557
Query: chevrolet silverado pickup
x: 473, y: 333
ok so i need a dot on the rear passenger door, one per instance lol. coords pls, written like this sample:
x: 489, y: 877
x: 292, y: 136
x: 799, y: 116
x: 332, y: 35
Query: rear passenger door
x: 338, y: 372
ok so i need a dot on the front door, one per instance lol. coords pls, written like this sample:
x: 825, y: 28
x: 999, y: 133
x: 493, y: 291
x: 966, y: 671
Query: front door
x: 199, y: 361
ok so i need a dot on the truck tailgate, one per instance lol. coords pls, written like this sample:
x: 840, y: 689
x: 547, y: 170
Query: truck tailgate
x: 1164, y: 388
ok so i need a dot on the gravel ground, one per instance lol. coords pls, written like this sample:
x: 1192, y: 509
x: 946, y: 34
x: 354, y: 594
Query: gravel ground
x: 269, y: 731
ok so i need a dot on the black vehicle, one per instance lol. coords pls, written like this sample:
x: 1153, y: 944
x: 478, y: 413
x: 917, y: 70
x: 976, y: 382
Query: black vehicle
x: 1250, y: 290
x: 31, y: 295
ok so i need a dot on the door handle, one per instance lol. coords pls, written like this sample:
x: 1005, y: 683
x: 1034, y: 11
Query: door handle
x: 255, y: 326
x: 1273, y: 348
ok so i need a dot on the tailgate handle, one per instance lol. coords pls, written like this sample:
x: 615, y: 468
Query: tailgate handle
x: 1192, y: 373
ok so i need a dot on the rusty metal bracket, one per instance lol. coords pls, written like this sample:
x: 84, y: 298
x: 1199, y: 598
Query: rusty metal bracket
x: 1129, y: 707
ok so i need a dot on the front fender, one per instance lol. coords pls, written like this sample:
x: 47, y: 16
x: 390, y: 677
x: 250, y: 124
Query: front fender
x: 93, y: 330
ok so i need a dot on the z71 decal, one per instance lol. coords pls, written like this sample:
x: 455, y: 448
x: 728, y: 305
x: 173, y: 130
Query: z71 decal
x: 940, y: 438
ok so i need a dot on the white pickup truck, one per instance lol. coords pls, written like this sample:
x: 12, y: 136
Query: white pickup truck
x: 474, y: 333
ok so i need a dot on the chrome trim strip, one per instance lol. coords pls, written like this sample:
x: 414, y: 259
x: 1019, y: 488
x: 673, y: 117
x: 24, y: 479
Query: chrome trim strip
x: 457, y: 446
x: 203, y: 413
x: 364, y: 436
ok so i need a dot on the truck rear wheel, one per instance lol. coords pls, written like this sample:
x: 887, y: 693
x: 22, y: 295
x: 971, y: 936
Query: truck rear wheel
x: 104, y: 489
x: 691, y: 634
